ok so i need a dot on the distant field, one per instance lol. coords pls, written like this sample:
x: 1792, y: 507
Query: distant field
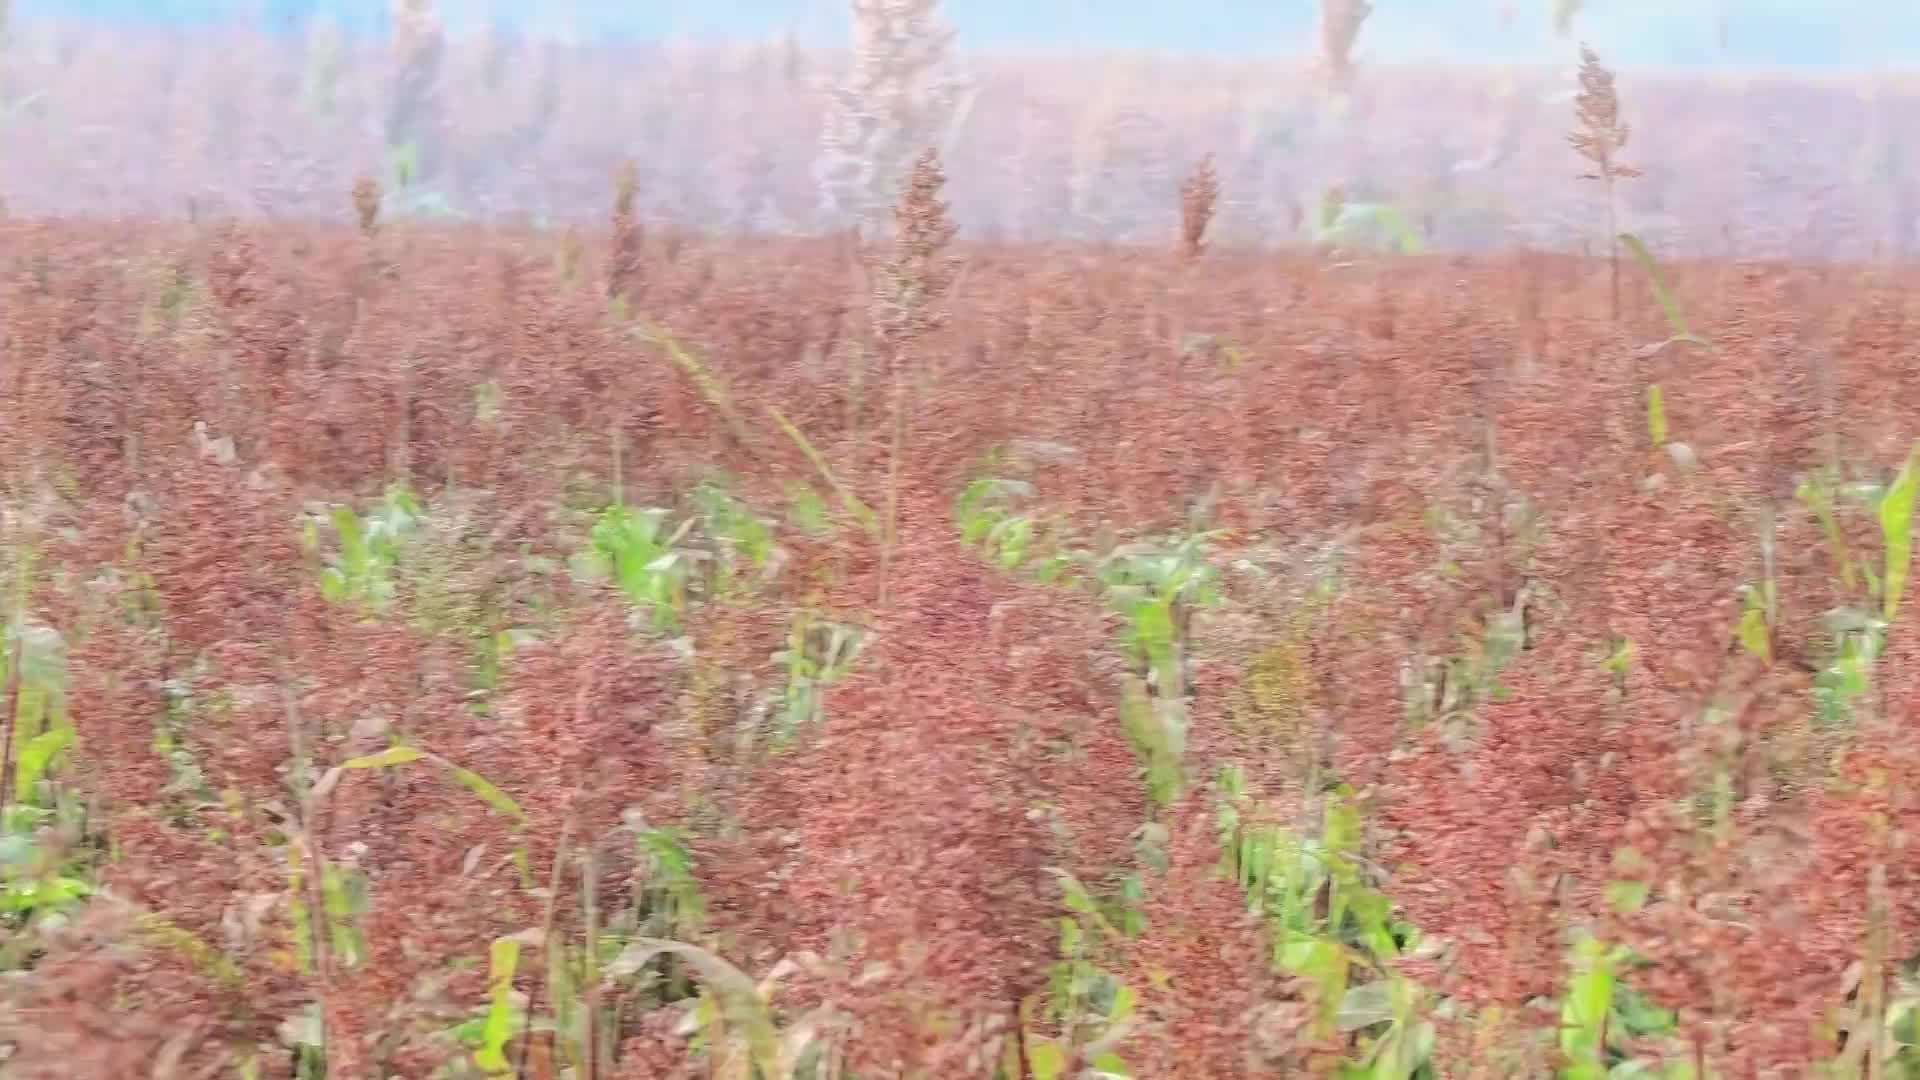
x: 1051, y: 148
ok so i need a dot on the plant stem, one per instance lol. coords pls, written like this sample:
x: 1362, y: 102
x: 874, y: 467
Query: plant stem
x: 546, y: 939
x: 582, y: 695
x: 895, y: 456
x: 7, y: 722
x: 402, y: 461
x: 618, y: 435
x: 590, y: 963
x: 315, y: 860
x: 1613, y: 248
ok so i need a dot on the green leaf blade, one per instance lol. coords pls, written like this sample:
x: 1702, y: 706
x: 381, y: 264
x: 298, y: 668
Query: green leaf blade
x: 503, y: 961
x: 1669, y: 306
x: 1896, y: 529
x: 488, y: 793
x: 395, y: 755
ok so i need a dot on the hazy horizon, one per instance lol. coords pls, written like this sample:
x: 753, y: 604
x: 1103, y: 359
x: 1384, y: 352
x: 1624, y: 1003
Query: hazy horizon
x: 1071, y: 132
x: 1815, y: 35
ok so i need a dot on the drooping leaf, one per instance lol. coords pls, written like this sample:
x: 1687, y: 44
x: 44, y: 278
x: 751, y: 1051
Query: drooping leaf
x: 490, y: 794
x: 862, y: 513
x: 735, y: 994
x: 710, y: 387
x: 394, y: 755
x: 1661, y: 295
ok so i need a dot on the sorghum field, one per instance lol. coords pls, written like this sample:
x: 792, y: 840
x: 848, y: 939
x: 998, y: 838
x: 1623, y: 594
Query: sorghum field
x: 470, y: 649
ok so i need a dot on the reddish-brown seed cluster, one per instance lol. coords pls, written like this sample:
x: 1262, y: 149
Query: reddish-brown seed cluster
x: 1491, y: 449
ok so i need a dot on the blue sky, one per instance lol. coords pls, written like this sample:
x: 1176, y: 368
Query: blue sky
x: 1829, y: 34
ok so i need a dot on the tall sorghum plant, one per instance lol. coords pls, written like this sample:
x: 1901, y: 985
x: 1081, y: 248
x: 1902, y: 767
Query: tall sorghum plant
x: 1198, y: 195
x: 897, y: 96
x: 1598, y: 136
x: 413, y: 106
x: 623, y: 269
x: 1340, y: 23
x: 908, y: 305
